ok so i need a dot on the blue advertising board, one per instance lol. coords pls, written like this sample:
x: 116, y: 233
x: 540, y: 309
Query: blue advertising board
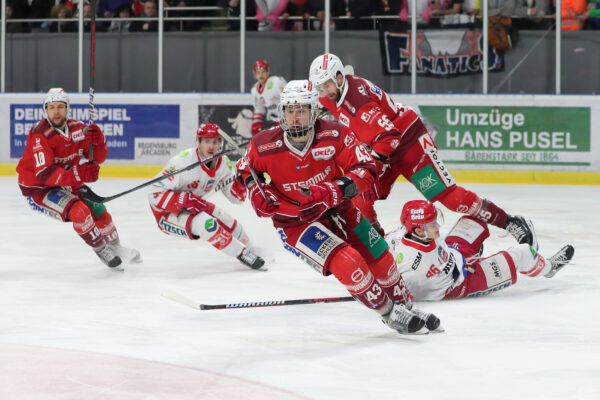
x: 121, y: 124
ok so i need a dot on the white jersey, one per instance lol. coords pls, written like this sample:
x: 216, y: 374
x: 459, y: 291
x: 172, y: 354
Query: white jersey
x: 199, y: 181
x: 266, y: 99
x: 429, y: 271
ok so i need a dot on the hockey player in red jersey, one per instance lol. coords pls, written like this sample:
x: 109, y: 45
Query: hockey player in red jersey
x: 180, y: 209
x: 265, y: 97
x: 436, y: 269
x: 401, y: 145
x: 50, y: 174
x: 315, y: 168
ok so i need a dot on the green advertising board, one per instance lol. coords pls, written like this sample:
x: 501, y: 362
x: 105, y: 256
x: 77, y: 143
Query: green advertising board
x: 511, y: 135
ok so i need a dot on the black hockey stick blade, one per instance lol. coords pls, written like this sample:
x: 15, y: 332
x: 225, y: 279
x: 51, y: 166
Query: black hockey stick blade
x: 88, y: 194
x: 179, y: 298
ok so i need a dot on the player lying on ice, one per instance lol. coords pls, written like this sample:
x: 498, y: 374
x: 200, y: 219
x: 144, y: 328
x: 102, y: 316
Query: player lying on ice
x: 401, y: 145
x: 181, y: 211
x: 434, y: 268
x: 50, y: 175
x: 316, y: 167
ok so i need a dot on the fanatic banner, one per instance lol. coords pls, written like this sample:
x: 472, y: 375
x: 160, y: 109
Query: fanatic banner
x: 553, y: 136
x: 443, y: 53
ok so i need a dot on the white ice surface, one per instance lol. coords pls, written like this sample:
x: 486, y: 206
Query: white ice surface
x: 70, y: 328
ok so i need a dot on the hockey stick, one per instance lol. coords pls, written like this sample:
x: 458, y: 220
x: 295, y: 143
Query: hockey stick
x: 89, y: 194
x: 179, y: 298
x: 92, y: 73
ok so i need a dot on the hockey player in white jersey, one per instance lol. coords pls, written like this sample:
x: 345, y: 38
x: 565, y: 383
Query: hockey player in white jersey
x: 180, y: 210
x: 434, y: 268
x: 265, y: 97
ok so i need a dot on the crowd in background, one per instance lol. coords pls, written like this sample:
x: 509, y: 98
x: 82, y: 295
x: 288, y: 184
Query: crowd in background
x: 294, y: 15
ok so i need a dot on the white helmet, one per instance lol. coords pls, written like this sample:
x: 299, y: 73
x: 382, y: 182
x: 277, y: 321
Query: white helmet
x: 56, y: 94
x: 300, y: 92
x: 326, y: 67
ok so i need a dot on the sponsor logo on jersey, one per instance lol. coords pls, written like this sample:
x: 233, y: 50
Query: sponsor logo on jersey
x: 321, y: 176
x: 442, y: 254
x: 170, y: 228
x: 349, y: 141
x: 360, y: 172
x: 297, y: 253
x: 490, y: 290
x: 323, y: 153
x: 374, y: 237
x: 70, y: 157
x: 350, y: 107
x: 362, y: 90
x: 496, y: 269
x: 37, y: 145
x: 210, y: 225
x: 328, y: 132
x: 270, y: 146
x: 417, y: 261
x: 36, y: 207
x: 317, y: 240
x: 376, y: 91
x: 344, y: 120
x: 428, y: 183
x: 77, y: 136
x: 357, y: 276
x: 399, y: 257
x: 394, y: 143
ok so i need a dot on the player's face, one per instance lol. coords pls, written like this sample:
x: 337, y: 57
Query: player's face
x: 329, y: 90
x: 261, y: 75
x: 432, y: 229
x: 297, y: 117
x: 57, y: 113
x: 209, y: 147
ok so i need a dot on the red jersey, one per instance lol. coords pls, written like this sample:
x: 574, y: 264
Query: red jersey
x: 375, y: 119
x: 333, y: 151
x: 50, y: 153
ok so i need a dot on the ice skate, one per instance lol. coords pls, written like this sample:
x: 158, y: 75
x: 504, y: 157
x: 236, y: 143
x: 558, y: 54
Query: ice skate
x: 432, y: 323
x: 109, y: 257
x: 250, y: 259
x: 560, y: 259
x: 404, y: 321
x: 522, y: 230
x: 131, y: 256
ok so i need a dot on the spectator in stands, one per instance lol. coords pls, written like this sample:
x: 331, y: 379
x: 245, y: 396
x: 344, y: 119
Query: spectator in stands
x: 61, y: 11
x: 312, y: 8
x: 87, y: 15
x: 144, y: 25
x: 424, y: 9
x: 356, y: 9
x: 594, y: 14
x: 108, y: 8
x: 449, y: 12
x: 233, y: 11
x: 268, y: 13
x: 13, y: 27
x: 123, y: 11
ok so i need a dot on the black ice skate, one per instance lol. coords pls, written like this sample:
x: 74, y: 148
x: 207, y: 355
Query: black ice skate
x: 127, y: 254
x: 108, y: 257
x: 560, y: 259
x: 432, y: 323
x: 404, y: 321
x: 251, y: 260
x: 522, y: 230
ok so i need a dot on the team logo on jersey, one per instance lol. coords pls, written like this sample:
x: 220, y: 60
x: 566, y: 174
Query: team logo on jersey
x: 329, y: 132
x: 376, y: 91
x: 210, y: 225
x: 344, y: 120
x: 78, y: 136
x: 270, y: 146
x: 323, y: 153
x: 442, y: 254
x: 362, y: 90
x: 394, y: 143
x: 37, y: 145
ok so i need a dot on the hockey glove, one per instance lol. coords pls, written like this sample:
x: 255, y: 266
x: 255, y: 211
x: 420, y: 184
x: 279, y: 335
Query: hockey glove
x: 238, y: 189
x: 262, y: 206
x: 93, y: 135
x: 194, y: 204
x: 87, y: 172
x: 322, y: 197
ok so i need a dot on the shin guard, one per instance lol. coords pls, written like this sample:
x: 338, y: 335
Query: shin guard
x: 84, y: 225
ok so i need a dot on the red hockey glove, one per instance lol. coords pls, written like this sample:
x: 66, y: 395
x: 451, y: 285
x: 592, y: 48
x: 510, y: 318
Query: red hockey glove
x: 194, y: 204
x: 373, y: 193
x: 87, y: 172
x: 262, y: 206
x: 322, y: 197
x: 238, y: 189
x: 256, y: 127
x: 93, y: 135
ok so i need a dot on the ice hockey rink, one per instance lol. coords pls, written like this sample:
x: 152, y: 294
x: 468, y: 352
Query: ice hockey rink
x: 70, y: 328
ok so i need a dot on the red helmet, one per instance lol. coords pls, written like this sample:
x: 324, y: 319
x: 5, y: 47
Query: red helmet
x: 260, y: 64
x: 416, y: 214
x: 209, y: 130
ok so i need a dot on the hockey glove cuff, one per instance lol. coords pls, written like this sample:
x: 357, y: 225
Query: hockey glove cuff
x: 322, y: 197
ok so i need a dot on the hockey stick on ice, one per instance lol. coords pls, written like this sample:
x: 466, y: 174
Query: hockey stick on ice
x: 179, y: 298
x: 89, y: 194
x: 92, y: 73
